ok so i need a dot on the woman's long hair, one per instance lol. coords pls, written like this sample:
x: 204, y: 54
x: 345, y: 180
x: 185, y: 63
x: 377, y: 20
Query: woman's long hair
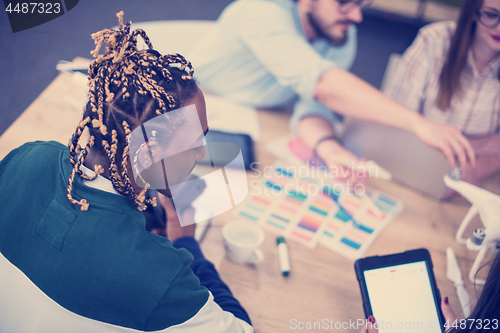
x: 449, y: 79
x: 487, y: 309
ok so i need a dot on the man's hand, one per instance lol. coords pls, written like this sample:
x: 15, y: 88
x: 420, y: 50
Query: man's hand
x: 336, y: 157
x: 342, y: 91
x: 173, y: 228
x: 312, y: 130
x: 447, y: 139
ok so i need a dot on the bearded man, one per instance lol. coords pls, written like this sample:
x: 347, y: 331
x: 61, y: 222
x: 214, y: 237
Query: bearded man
x: 270, y: 53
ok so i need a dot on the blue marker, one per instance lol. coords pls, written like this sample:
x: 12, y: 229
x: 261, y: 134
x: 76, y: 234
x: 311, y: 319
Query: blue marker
x: 283, y: 256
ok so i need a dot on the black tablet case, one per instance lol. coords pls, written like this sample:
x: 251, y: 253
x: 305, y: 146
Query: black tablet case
x: 222, y: 150
x: 392, y: 260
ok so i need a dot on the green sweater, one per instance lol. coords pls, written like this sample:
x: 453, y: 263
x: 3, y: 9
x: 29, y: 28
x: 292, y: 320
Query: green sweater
x: 101, y: 263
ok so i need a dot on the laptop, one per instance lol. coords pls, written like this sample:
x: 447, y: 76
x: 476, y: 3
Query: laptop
x: 410, y: 161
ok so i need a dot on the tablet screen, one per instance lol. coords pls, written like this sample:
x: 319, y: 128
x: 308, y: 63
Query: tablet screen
x: 401, y: 298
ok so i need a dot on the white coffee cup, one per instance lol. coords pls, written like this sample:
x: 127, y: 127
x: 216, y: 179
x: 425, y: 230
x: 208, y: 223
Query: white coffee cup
x: 242, y: 240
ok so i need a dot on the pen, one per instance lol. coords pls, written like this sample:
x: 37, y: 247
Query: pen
x: 283, y: 256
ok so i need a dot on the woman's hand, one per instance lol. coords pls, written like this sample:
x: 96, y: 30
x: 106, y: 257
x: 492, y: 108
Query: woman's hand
x: 370, y: 326
x: 449, y: 315
x: 173, y: 229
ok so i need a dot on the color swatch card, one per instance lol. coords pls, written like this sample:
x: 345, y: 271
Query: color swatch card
x: 265, y: 197
x: 352, y: 229
x: 280, y: 201
x: 312, y: 210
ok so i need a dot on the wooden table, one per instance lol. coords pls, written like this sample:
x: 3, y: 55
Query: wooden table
x: 322, y: 284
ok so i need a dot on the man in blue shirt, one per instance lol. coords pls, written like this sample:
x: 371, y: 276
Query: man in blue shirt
x: 266, y: 53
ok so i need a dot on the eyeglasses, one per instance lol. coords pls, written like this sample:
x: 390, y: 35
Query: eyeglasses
x: 488, y: 19
x: 345, y: 6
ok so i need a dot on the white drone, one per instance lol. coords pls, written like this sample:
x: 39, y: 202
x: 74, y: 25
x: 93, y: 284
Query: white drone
x: 487, y: 205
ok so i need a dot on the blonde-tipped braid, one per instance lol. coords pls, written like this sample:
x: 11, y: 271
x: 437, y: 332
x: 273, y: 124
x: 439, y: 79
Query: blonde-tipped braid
x: 127, y: 87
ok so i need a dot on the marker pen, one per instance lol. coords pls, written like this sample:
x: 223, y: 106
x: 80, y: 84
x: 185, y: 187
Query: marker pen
x: 283, y: 256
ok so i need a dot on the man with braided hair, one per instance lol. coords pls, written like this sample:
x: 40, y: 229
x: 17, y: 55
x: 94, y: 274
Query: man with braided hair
x: 267, y: 53
x: 74, y: 252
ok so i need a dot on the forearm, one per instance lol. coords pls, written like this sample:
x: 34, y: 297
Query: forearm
x: 345, y: 93
x: 209, y: 278
x: 319, y: 135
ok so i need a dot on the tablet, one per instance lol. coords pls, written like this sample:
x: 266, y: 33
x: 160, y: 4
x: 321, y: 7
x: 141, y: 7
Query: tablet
x: 224, y: 148
x: 400, y: 291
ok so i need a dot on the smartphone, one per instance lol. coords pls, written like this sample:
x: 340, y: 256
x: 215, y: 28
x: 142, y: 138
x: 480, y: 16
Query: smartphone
x: 400, y: 291
x: 204, y: 215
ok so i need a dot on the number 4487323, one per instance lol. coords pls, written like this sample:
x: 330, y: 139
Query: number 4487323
x: 470, y: 323
x: 34, y: 7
